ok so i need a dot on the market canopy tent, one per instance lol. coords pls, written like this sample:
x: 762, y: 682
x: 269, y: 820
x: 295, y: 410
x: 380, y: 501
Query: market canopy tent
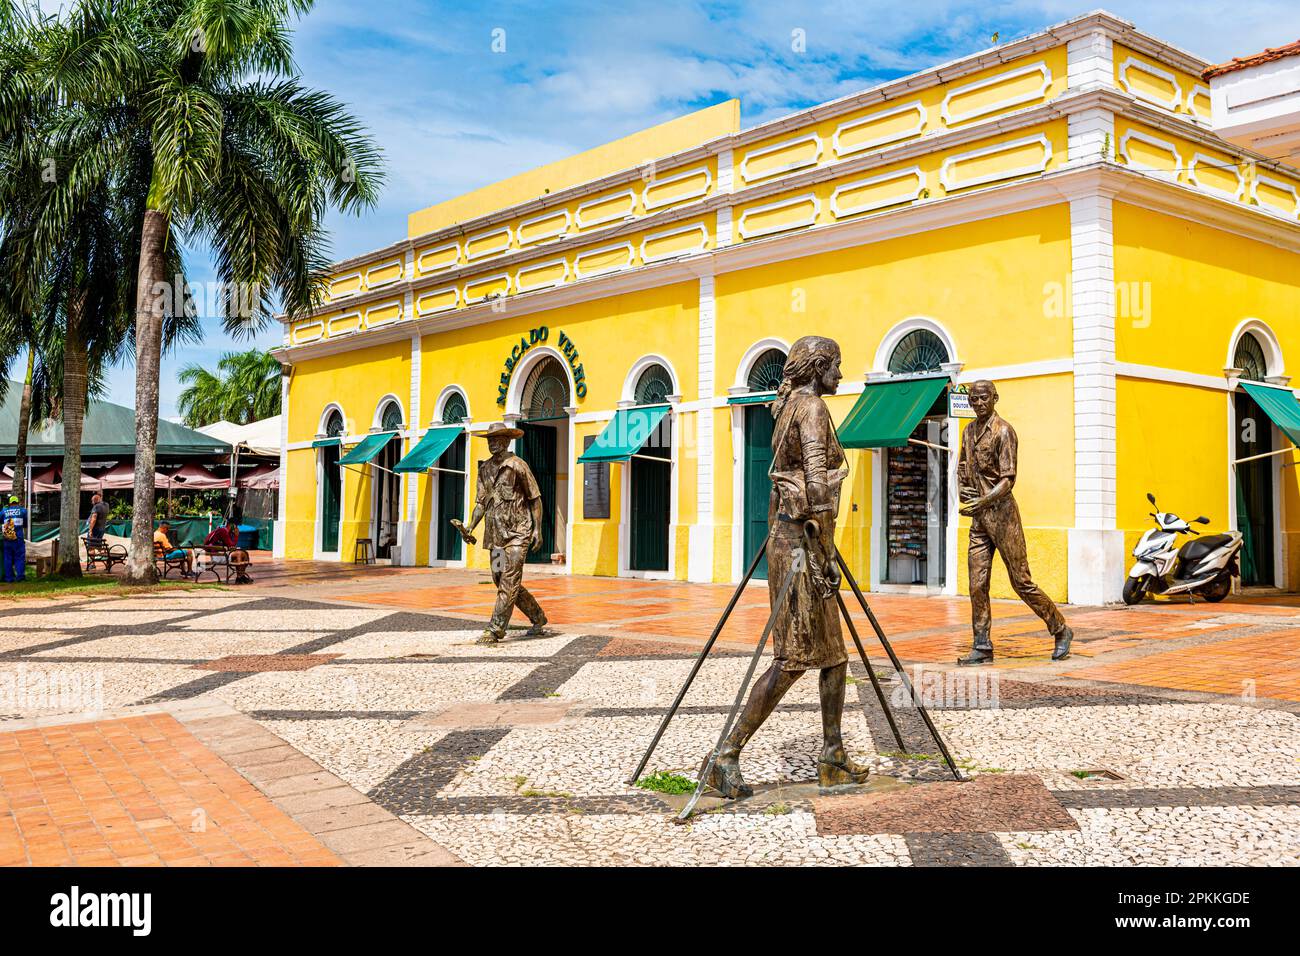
x: 430, y: 449
x: 190, y: 475
x: 886, y: 413
x: 261, y: 478
x: 109, y: 433
x: 261, y: 437
x: 625, y: 435
x: 1280, y: 405
x: 122, y: 475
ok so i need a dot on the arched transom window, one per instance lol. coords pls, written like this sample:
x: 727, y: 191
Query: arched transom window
x: 765, y: 376
x: 454, y: 409
x: 546, y: 392
x: 334, y: 424
x: 918, y: 351
x: 391, y: 420
x: 1249, y: 357
x: 653, y: 386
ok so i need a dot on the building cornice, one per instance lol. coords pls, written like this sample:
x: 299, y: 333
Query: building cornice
x: 1101, y: 177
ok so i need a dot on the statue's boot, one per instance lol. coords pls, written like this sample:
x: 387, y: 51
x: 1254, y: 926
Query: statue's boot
x: 724, y: 776
x: 487, y: 637
x: 538, y: 627
x: 980, y: 653
x: 836, y: 768
x: 1062, y: 649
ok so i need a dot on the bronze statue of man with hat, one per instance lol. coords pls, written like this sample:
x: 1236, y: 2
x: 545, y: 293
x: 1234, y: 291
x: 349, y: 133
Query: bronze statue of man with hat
x: 986, y: 473
x: 507, y: 496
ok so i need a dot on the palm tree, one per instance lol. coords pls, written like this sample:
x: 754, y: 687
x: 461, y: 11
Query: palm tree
x: 245, y: 388
x: 203, y: 97
x: 70, y: 240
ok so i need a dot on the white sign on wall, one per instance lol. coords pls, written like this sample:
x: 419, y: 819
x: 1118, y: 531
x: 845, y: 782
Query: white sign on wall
x: 959, y: 404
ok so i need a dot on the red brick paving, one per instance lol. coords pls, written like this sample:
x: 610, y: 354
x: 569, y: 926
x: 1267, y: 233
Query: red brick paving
x: 139, y: 791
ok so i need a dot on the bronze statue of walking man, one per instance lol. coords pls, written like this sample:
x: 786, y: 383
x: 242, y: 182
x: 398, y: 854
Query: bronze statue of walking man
x: 508, y: 497
x: 808, y: 467
x: 986, y: 474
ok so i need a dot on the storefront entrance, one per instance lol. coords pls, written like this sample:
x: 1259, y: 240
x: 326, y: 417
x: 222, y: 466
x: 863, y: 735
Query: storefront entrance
x: 1255, y: 517
x: 451, y: 500
x: 545, y: 426
x: 1253, y: 435
x: 916, y: 495
x: 386, y: 506
x: 650, y: 477
x: 916, y: 478
x: 758, y: 485
x: 331, y: 485
x: 757, y: 425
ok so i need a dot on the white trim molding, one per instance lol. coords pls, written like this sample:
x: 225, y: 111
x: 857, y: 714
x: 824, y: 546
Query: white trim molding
x: 946, y: 170
x: 1096, y: 546
x: 877, y: 141
x: 1032, y: 96
x: 699, y: 542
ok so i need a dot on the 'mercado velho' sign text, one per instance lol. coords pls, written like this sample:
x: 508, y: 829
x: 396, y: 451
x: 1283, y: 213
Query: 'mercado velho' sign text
x: 537, y: 337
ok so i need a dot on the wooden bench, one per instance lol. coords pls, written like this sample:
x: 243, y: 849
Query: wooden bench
x: 101, y: 552
x: 169, y: 564
x: 234, y: 561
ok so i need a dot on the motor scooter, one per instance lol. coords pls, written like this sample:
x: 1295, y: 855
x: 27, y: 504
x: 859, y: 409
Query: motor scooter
x: 1203, y: 567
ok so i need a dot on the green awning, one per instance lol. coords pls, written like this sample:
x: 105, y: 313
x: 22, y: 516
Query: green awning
x: 752, y: 398
x: 627, y: 431
x: 887, y: 412
x: 430, y: 448
x: 1280, y: 405
x: 326, y: 442
x: 370, y: 446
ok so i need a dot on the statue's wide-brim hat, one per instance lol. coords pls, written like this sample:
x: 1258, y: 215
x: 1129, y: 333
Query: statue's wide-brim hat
x: 501, y: 430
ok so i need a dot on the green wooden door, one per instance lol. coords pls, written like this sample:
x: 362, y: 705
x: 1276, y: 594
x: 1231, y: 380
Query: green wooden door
x: 758, y: 486
x: 451, y: 500
x: 538, y: 449
x: 1255, y: 492
x: 651, y: 512
x: 331, y: 493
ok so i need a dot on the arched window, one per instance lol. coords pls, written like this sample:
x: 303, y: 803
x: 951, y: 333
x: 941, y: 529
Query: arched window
x: 1249, y: 357
x: 918, y: 351
x: 391, y: 420
x: 546, y: 392
x: 454, y: 410
x: 334, y: 424
x: 765, y: 376
x: 653, y: 386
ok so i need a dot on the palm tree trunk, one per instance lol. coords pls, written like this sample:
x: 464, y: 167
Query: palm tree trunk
x: 24, y: 426
x: 74, y: 414
x: 149, y: 312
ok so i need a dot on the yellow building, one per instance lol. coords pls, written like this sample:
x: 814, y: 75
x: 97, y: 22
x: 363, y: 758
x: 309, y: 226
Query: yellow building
x: 1054, y: 214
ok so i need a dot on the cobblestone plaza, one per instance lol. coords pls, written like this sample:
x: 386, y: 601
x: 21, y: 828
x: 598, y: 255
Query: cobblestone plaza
x: 275, y: 725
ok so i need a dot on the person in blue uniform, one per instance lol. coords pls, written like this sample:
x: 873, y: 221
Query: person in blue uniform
x: 13, y: 535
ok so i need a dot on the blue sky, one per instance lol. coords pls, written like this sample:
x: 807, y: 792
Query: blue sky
x: 452, y: 115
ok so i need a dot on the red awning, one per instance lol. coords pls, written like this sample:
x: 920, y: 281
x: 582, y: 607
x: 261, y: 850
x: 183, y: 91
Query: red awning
x: 122, y: 475
x: 262, y: 477
x: 190, y: 475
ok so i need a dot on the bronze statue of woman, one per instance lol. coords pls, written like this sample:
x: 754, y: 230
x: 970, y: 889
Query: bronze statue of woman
x: 808, y: 467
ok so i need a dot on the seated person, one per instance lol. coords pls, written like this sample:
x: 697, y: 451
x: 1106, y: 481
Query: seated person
x: 169, y: 550
x: 226, y: 536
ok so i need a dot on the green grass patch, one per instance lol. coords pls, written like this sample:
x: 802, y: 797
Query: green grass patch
x: 53, y: 585
x: 664, y: 782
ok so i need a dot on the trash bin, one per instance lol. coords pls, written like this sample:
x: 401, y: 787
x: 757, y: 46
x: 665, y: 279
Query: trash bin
x: 247, y: 537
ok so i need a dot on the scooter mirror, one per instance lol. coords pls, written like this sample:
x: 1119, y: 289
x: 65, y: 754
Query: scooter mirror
x: 1151, y: 498
x: 1202, y: 520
